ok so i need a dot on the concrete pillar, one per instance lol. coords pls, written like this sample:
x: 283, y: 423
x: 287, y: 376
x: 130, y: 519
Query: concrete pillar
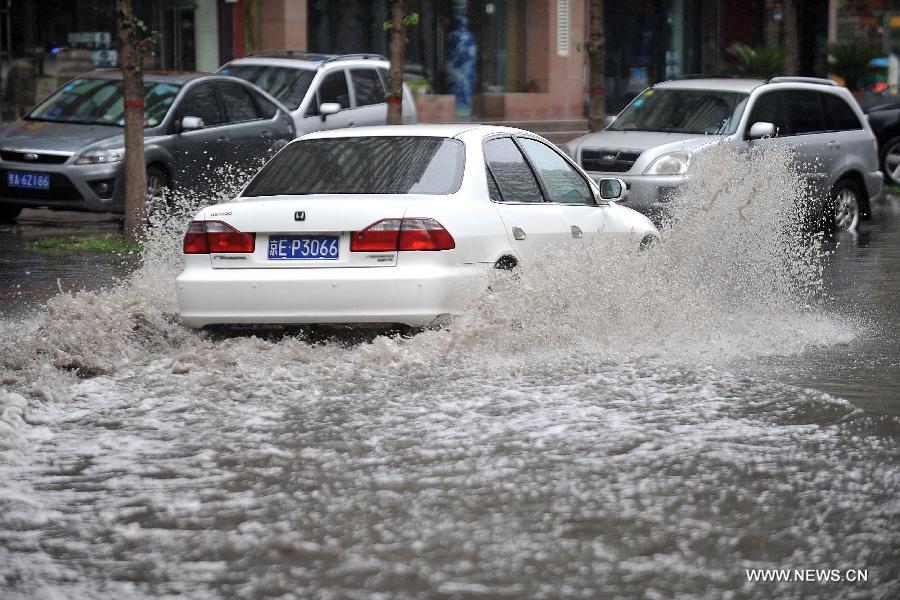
x: 832, y: 21
x: 559, y: 73
x: 206, y: 27
x: 284, y: 24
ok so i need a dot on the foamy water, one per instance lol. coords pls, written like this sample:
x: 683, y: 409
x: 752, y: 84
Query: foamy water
x: 592, y: 427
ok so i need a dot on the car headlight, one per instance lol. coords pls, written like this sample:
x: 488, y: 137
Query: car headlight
x: 671, y: 163
x: 94, y: 157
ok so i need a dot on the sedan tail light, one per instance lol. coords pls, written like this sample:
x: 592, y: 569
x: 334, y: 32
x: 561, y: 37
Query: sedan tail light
x: 213, y: 237
x: 388, y: 235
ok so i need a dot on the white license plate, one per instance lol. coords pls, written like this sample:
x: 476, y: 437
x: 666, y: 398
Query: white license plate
x: 304, y: 247
x: 28, y: 181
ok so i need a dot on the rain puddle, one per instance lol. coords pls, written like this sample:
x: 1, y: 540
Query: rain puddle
x: 601, y: 424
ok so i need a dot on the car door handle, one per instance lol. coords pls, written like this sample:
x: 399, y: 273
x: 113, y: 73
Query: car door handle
x: 518, y: 233
x: 576, y: 232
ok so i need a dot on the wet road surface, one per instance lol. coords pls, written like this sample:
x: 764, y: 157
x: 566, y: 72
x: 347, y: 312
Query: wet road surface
x: 645, y: 436
x: 31, y: 277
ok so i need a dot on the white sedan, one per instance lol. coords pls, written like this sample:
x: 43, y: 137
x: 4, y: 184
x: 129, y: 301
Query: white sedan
x: 393, y: 225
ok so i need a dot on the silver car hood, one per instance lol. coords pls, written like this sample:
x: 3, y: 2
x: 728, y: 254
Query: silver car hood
x: 640, y: 140
x: 55, y: 137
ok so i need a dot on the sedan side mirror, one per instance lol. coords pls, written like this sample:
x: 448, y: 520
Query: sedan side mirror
x: 329, y: 108
x: 612, y: 189
x: 761, y: 130
x: 191, y: 123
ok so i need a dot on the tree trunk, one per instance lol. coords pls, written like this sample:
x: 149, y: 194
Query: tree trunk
x: 133, y: 87
x: 397, y: 47
x: 791, y: 41
x: 596, y: 72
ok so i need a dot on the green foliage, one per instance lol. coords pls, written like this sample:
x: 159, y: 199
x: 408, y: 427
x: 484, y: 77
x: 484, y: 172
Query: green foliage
x: 409, y: 20
x: 90, y: 243
x: 418, y: 86
x: 850, y: 62
x: 761, y: 61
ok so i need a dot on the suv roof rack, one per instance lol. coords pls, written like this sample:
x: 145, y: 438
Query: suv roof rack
x: 702, y: 76
x: 297, y: 54
x: 313, y: 56
x: 816, y: 80
x: 353, y: 56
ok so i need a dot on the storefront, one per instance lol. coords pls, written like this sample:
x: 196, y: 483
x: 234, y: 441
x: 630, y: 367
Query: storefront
x: 499, y: 58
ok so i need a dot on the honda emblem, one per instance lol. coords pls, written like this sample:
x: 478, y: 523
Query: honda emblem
x: 300, y: 215
x: 30, y: 156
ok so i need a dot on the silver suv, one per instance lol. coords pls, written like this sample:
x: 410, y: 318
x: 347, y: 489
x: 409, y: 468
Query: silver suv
x: 323, y: 91
x: 653, y: 141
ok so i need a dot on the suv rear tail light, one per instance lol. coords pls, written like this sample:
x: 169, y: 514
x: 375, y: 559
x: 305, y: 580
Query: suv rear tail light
x: 214, y: 237
x: 389, y: 235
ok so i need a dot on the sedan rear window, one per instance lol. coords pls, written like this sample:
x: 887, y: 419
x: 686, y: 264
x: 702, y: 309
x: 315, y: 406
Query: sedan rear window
x: 363, y: 165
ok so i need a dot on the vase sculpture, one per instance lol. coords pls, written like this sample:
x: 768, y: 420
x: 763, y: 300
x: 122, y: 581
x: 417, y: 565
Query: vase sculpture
x: 461, y: 53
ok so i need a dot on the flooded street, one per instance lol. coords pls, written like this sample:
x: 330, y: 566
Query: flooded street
x: 602, y: 425
x: 30, y: 277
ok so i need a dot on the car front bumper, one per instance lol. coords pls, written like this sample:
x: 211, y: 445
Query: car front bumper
x: 413, y: 295
x: 72, y: 187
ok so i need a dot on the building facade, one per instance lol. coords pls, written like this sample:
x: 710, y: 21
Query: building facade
x: 517, y: 59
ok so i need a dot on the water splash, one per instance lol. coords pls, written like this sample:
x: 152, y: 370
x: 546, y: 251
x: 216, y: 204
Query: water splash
x: 735, y: 275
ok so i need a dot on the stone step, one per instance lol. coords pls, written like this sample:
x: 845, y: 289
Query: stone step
x: 542, y: 126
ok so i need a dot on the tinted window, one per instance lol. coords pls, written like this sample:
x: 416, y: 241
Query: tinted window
x: 367, y: 87
x: 838, y: 114
x: 285, y: 84
x: 266, y: 109
x: 514, y: 178
x: 100, y: 101
x: 334, y: 89
x: 804, y: 112
x: 704, y: 112
x: 239, y: 105
x: 363, y: 165
x: 493, y: 189
x: 768, y: 109
x: 200, y: 101
x: 511, y: 172
x: 561, y: 182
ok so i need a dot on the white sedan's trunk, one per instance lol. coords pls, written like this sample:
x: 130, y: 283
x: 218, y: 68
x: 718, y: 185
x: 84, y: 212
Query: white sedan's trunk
x: 297, y: 220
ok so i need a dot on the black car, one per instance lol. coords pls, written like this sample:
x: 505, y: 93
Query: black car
x: 67, y: 152
x: 884, y: 117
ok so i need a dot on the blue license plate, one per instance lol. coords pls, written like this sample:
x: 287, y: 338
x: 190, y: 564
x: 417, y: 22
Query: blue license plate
x: 304, y: 247
x: 28, y: 181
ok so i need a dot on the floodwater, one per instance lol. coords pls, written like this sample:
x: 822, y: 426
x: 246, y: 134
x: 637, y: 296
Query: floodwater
x: 603, y: 424
x: 31, y: 277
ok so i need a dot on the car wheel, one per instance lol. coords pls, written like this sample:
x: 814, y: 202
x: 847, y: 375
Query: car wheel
x: 846, y: 206
x: 158, y: 190
x: 9, y: 212
x: 890, y: 161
